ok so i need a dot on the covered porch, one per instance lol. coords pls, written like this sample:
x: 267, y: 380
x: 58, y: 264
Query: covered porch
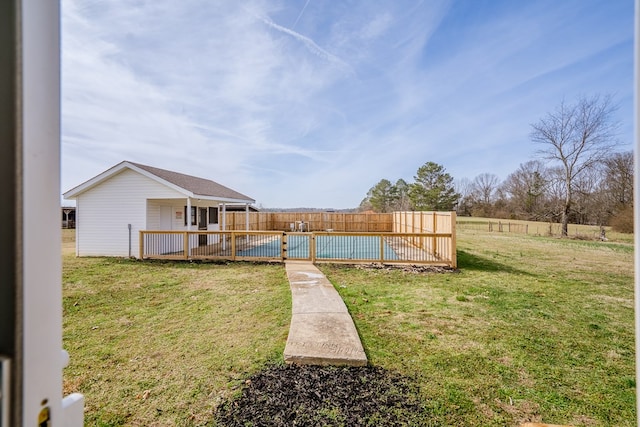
x: 178, y: 215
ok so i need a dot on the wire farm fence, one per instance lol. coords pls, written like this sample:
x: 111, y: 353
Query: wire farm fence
x: 534, y: 228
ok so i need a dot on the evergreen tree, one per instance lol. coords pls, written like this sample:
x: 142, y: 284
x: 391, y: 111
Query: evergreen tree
x: 433, y: 189
x: 382, y: 196
x: 402, y: 201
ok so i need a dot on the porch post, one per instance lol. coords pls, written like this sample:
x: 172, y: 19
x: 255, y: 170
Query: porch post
x: 187, y: 250
x: 224, y: 226
x: 188, y: 213
x: 224, y: 217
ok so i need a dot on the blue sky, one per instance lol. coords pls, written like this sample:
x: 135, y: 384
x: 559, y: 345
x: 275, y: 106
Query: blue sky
x: 309, y: 103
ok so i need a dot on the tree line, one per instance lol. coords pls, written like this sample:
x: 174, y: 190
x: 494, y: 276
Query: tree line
x: 576, y: 177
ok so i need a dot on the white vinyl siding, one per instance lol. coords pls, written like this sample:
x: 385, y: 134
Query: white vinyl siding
x: 105, y: 210
x: 153, y: 216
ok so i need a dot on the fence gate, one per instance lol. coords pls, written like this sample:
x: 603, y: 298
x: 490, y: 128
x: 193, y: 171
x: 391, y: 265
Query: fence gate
x: 299, y: 246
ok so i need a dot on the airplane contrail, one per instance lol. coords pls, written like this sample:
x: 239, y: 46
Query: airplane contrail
x: 299, y: 16
x: 310, y: 44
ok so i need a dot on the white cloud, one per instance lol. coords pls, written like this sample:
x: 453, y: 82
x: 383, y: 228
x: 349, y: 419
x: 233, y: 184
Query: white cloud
x: 312, y: 103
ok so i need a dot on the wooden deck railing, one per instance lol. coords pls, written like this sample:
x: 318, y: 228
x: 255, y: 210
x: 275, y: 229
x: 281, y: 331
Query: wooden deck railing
x: 404, y: 248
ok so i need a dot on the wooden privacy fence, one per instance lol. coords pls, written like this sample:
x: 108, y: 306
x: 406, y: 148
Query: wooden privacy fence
x: 403, y: 248
x: 310, y: 221
x: 436, y: 224
x: 424, y: 222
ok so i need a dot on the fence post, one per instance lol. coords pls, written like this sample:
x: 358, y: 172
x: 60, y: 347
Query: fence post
x: 233, y: 244
x: 185, y: 243
x: 283, y: 246
x: 454, y: 253
x: 312, y: 247
x: 141, y: 244
x: 434, y: 240
x: 381, y: 249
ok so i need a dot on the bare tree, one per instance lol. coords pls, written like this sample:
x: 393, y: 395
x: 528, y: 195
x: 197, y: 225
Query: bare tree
x: 464, y: 188
x: 577, y: 137
x: 588, y: 206
x: 555, y: 191
x: 526, y: 190
x: 618, y: 179
x: 484, y: 186
x: 617, y: 190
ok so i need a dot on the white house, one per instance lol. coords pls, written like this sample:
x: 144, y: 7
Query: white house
x: 115, y: 205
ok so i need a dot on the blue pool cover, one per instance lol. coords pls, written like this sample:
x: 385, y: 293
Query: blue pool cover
x: 327, y: 246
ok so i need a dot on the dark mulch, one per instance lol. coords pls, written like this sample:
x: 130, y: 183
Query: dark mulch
x: 325, y: 396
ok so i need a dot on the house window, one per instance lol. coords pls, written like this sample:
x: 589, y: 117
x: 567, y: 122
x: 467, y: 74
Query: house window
x: 194, y: 217
x: 213, y: 215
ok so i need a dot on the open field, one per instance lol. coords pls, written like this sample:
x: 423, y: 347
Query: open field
x: 532, y: 328
x: 540, y: 228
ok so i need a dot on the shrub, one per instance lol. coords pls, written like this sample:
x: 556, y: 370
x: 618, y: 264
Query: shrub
x: 622, y: 221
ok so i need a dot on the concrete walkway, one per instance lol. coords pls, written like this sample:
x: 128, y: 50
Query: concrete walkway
x: 322, y: 331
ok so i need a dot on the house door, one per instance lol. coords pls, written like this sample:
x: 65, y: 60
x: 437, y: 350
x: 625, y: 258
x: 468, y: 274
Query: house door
x: 166, y: 213
x: 202, y: 225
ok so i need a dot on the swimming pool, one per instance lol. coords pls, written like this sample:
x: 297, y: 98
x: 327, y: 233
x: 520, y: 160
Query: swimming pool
x: 420, y: 248
x: 327, y: 246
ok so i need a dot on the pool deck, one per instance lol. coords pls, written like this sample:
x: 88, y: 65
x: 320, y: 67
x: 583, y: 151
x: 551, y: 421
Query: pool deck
x: 322, y: 331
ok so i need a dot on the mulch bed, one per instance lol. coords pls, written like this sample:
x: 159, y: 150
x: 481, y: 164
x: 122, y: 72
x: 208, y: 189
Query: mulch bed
x: 417, y: 269
x: 292, y: 395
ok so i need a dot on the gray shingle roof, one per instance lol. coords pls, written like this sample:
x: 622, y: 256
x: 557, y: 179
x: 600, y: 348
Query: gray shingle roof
x: 198, y: 186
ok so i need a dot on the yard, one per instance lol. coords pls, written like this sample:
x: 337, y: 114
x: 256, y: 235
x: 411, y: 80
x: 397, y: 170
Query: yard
x: 532, y: 328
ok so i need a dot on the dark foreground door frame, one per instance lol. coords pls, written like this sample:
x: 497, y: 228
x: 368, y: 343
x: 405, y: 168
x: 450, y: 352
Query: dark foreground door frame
x: 10, y: 283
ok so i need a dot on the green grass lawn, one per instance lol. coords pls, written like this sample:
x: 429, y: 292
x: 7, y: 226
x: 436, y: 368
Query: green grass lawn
x: 155, y: 343
x: 531, y: 329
